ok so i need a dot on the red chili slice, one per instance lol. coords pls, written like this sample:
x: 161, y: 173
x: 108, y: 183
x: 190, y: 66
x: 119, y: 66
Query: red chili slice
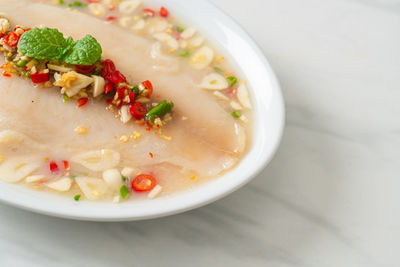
x: 40, y: 77
x: 85, y: 69
x: 149, y: 12
x: 53, y: 166
x: 108, y: 88
x: 116, y: 77
x: 164, y: 12
x: 11, y: 39
x: 143, y: 182
x: 147, y: 84
x: 82, y: 101
x: 138, y: 110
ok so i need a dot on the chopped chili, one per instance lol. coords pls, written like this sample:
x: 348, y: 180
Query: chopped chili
x: 82, y: 101
x: 40, y: 77
x: 111, y: 18
x: 53, y: 166
x: 66, y: 164
x: 149, y: 12
x: 116, y: 77
x: 108, y: 87
x: 143, y: 182
x: 11, y: 39
x: 163, y: 12
x: 147, y: 84
x: 138, y: 110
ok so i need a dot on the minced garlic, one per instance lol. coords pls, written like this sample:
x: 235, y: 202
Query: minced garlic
x: 66, y: 79
x: 124, y: 139
x: 136, y: 135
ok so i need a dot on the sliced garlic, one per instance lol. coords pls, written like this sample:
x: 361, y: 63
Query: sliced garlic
x: 16, y: 169
x: 214, y: 81
x: 128, y: 7
x: 158, y: 25
x: 163, y: 62
x: 166, y: 39
x: 77, y: 82
x: 98, y: 85
x: 97, y: 9
x: 58, y: 68
x: 98, y: 160
x: 10, y: 138
x: 128, y: 172
x: 113, y: 178
x: 92, y: 188
x: 235, y: 105
x: 221, y: 95
x: 139, y: 25
x: 125, y: 114
x: 188, y: 33
x: 243, y: 96
x: 62, y: 184
x: 34, y: 178
x: 196, y: 41
x: 155, y: 192
x: 202, y: 57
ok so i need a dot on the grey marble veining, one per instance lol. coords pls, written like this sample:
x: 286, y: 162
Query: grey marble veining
x: 331, y: 195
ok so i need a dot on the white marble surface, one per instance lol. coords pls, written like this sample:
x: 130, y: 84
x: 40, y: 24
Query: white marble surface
x: 329, y: 198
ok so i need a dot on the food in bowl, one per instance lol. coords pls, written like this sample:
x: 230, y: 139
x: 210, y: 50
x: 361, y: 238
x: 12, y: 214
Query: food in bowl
x: 114, y: 100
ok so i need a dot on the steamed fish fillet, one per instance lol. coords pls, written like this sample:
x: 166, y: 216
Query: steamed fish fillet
x: 208, y: 142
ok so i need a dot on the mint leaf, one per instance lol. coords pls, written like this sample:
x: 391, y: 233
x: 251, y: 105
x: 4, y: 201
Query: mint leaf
x: 43, y: 43
x: 124, y: 191
x: 85, y: 52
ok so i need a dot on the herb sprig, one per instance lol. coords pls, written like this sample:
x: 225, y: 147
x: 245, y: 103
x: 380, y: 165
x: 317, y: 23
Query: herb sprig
x: 50, y: 44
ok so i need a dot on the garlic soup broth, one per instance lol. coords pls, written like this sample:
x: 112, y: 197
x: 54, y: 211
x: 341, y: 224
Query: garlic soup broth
x: 127, y: 103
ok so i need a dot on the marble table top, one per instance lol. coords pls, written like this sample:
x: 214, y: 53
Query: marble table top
x: 331, y: 195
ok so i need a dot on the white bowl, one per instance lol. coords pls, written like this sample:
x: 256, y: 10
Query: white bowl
x: 268, y: 127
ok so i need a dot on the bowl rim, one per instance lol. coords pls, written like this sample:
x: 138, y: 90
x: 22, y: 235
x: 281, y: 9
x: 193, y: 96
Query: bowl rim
x: 257, y: 157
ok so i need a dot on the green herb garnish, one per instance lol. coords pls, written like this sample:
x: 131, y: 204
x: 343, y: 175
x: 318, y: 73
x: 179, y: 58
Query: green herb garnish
x: 135, y: 89
x: 85, y: 52
x: 218, y: 70
x: 61, y: 2
x: 77, y: 197
x: 124, y: 191
x: 236, y: 115
x: 124, y: 178
x: 21, y: 63
x: 160, y: 110
x: 28, y: 74
x: 179, y: 28
x: 232, y: 80
x: 66, y: 98
x: 185, y: 54
x: 77, y: 4
x: 50, y: 44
